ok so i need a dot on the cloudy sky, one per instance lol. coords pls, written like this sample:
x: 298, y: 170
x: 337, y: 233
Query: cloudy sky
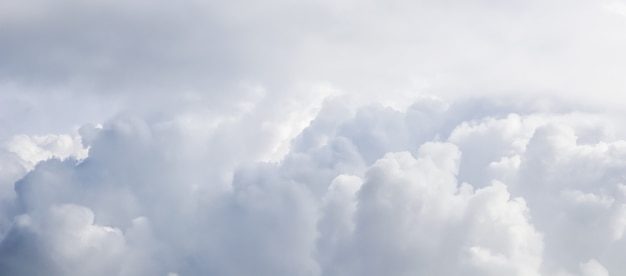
x: 317, y: 138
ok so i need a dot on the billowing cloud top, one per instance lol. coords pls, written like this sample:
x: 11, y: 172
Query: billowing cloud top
x: 312, y: 138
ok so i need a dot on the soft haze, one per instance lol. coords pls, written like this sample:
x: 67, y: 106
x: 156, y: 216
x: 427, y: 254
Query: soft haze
x: 312, y: 137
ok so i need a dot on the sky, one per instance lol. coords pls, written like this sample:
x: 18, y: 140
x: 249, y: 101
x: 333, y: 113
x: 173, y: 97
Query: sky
x: 316, y: 138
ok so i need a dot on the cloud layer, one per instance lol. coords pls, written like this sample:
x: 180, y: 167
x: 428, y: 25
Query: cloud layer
x: 312, y: 138
x: 360, y: 192
x: 93, y: 59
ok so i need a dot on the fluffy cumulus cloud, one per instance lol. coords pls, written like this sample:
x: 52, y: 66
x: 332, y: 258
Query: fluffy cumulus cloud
x: 312, y: 138
x: 368, y: 191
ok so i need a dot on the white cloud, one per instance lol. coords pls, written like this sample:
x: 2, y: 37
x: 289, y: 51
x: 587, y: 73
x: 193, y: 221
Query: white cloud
x: 593, y: 267
x: 312, y: 138
x: 161, y: 195
x: 62, y: 241
x: 34, y: 149
x: 116, y: 55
